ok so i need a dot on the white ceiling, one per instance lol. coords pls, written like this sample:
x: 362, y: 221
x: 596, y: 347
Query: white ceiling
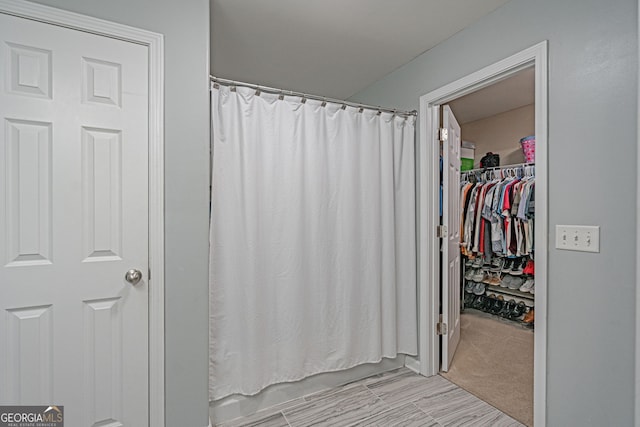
x: 508, y: 94
x: 333, y: 48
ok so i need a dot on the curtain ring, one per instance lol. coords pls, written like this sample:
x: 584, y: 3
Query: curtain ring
x: 232, y: 88
x: 258, y: 92
x: 281, y: 96
x: 324, y: 102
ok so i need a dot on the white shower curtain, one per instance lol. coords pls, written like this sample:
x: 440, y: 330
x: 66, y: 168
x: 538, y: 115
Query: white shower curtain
x: 313, y: 259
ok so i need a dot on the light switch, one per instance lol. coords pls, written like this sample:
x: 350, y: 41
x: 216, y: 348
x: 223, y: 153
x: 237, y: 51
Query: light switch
x: 583, y: 238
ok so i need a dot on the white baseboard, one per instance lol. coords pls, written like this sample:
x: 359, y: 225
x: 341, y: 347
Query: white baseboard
x: 412, y: 363
x: 236, y: 406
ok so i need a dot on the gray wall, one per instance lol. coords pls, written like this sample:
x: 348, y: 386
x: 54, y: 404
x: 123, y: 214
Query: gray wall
x: 185, y: 26
x: 592, y: 180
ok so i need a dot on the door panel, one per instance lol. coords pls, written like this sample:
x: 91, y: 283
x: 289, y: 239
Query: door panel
x: 73, y: 220
x: 28, y: 192
x: 451, y: 243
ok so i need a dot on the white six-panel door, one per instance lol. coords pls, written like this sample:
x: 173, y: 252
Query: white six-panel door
x: 73, y: 220
x: 451, y: 247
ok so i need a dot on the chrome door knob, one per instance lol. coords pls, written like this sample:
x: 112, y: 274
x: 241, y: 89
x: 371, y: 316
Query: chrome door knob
x: 133, y: 276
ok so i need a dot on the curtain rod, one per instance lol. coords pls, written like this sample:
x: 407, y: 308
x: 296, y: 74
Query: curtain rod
x: 261, y: 88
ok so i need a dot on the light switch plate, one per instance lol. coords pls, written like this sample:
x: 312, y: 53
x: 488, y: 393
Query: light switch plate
x: 583, y: 238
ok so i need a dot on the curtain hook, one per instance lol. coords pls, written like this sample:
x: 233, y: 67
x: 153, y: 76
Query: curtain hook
x: 258, y: 92
x: 344, y: 106
x: 281, y: 96
x: 232, y: 88
x: 324, y: 102
x: 304, y: 98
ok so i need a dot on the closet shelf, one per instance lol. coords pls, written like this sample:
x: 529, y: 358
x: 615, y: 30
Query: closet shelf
x: 511, y: 166
x: 513, y: 292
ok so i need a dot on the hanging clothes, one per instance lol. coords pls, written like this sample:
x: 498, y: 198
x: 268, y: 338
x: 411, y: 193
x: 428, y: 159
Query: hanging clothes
x: 497, y: 213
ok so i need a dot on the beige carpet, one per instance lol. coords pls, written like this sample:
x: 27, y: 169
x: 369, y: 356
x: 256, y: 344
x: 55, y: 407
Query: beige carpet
x: 494, y: 361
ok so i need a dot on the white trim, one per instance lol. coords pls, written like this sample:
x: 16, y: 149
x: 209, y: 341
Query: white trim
x: 637, y: 347
x: 428, y: 244
x: 428, y: 270
x: 413, y: 363
x: 541, y: 238
x: 155, y: 44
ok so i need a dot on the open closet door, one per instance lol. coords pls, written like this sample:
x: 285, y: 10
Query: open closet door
x: 450, y: 291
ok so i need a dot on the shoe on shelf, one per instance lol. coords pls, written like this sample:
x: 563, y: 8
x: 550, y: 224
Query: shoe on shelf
x: 529, y: 268
x: 515, y: 282
x: 491, y: 279
x: 529, y: 317
x: 508, y: 264
x: 468, y: 262
x: 497, y: 264
x: 508, y: 308
x: 478, y: 261
x: 518, y: 266
x: 469, y: 273
x: 498, y: 305
x: 486, y: 279
x: 479, y: 275
x: 478, y: 302
x: 527, y: 285
x: 504, y: 283
x: 468, y: 286
x: 479, y: 288
x: 518, y: 310
x: 488, y: 302
x: 495, y: 279
x: 468, y: 299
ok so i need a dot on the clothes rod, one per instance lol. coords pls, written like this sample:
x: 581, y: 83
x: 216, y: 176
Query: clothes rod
x: 261, y: 88
x: 517, y: 165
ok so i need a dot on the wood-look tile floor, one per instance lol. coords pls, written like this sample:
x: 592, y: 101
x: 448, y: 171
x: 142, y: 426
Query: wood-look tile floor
x: 396, y: 398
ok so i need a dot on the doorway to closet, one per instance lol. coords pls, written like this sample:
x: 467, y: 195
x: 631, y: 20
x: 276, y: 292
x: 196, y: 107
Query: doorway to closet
x: 442, y: 268
x: 488, y: 250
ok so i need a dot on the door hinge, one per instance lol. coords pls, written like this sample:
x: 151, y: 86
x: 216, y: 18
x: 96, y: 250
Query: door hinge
x: 441, y: 327
x: 444, y: 134
x: 441, y: 231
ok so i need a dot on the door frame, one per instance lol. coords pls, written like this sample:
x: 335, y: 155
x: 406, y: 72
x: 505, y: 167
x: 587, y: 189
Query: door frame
x: 155, y: 45
x: 428, y: 210
x: 636, y: 400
